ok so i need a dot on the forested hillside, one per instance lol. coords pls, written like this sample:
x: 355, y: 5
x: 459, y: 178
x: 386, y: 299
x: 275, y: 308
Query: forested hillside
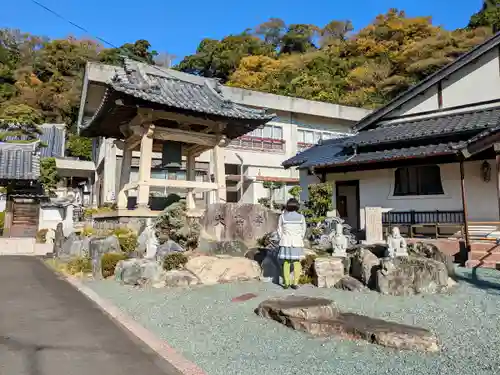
x: 40, y: 79
x: 334, y: 64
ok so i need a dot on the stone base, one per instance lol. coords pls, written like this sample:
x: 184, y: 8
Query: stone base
x: 319, y: 317
x: 133, y: 219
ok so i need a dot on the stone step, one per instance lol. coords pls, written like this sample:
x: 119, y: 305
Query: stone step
x: 482, y: 264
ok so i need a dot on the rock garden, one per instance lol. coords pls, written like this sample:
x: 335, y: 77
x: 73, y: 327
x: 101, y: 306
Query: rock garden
x: 211, y: 288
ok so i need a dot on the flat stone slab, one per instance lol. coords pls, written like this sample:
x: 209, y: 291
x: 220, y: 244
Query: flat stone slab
x: 319, y: 317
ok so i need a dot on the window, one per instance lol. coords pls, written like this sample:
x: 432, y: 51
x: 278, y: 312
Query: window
x: 422, y: 180
x: 269, y: 138
x: 309, y: 138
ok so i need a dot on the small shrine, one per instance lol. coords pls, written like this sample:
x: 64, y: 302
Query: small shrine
x: 160, y: 110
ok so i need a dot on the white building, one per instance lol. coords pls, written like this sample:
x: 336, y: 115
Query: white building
x: 412, y: 156
x: 249, y: 160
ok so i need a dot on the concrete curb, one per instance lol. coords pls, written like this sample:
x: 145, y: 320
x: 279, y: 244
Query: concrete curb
x: 160, y: 347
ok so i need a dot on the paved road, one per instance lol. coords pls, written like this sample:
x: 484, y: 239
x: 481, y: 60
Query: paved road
x: 48, y: 328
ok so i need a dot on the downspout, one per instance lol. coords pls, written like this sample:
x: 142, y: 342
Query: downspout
x: 241, y: 174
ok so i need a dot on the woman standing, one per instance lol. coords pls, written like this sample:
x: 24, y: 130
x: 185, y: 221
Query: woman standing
x: 291, y: 229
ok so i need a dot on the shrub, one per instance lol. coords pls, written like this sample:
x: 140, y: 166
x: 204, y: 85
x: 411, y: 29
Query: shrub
x: 278, y: 206
x: 87, y: 232
x: 174, y: 261
x: 308, y: 268
x: 173, y: 224
x: 2, y: 221
x: 109, y: 262
x: 127, y: 239
x: 41, y: 235
x: 266, y: 202
x: 79, y: 264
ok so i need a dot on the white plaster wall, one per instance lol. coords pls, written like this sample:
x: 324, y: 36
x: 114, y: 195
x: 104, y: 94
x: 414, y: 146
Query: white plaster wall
x: 376, y: 190
x: 474, y: 83
x: 49, y: 217
x: 428, y: 101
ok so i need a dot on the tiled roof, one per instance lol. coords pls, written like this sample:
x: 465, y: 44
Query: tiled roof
x: 160, y: 86
x: 428, y: 127
x: 392, y: 137
x: 342, y: 159
x: 19, y: 161
x: 53, y: 136
x: 330, y: 147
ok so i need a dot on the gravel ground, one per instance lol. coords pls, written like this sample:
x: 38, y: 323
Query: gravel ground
x: 226, y: 338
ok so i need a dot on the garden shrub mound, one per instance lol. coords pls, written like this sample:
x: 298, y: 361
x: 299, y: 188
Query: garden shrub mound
x: 173, y: 224
x: 109, y: 262
x: 319, y: 317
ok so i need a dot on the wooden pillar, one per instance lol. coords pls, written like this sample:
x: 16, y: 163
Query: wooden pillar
x: 145, y: 166
x: 464, y: 207
x: 124, y: 176
x: 220, y: 174
x: 190, y: 176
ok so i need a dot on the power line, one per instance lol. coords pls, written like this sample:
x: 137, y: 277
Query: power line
x: 58, y: 15
x: 72, y: 23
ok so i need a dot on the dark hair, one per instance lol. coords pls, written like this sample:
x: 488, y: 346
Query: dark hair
x: 292, y: 205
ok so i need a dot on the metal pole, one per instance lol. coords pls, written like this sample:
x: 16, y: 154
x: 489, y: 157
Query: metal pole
x: 464, y: 206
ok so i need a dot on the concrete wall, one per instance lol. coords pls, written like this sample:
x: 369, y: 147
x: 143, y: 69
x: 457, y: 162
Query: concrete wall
x: 51, y: 216
x: 377, y: 187
x: 474, y: 83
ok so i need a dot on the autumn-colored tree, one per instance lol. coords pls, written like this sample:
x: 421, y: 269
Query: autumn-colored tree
x: 364, y: 69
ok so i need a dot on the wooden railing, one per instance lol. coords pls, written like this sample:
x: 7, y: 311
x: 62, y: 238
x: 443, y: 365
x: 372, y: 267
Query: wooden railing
x: 434, y: 223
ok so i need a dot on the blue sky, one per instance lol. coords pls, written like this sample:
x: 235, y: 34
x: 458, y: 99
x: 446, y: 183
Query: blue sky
x: 177, y: 27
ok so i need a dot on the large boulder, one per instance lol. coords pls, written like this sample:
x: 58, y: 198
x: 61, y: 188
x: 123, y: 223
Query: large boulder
x: 319, y: 317
x: 98, y: 246
x: 74, y: 246
x: 231, y: 247
x: 236, y: 221
x: 411, y: 275
x: 139, y: 272
x: 364, y: 265
x: 166, y: 248
x: 180, y: 278
x: 428, y: 250
x: 328, y: 271
x: 351, y: 284
x: 271, y: 266
x: 223, y: 269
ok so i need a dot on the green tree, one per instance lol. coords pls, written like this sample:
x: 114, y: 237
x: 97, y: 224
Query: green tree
x: 219, y: 59
x: 48, y: 175
x: 20, y: 120
x: 272, y: 31
x: 295, y: 192
x: 488, y: 16
x: 319, y: 203
x: 79, y: 147
x: 140, y: 50
x: 272, y: 186
x: 299, y: 38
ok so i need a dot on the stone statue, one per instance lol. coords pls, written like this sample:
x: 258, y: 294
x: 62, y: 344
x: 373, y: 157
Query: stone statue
x: 339, y: 241
x: 152, y: 243
x: 50, y: 236
x: 396, y: 244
